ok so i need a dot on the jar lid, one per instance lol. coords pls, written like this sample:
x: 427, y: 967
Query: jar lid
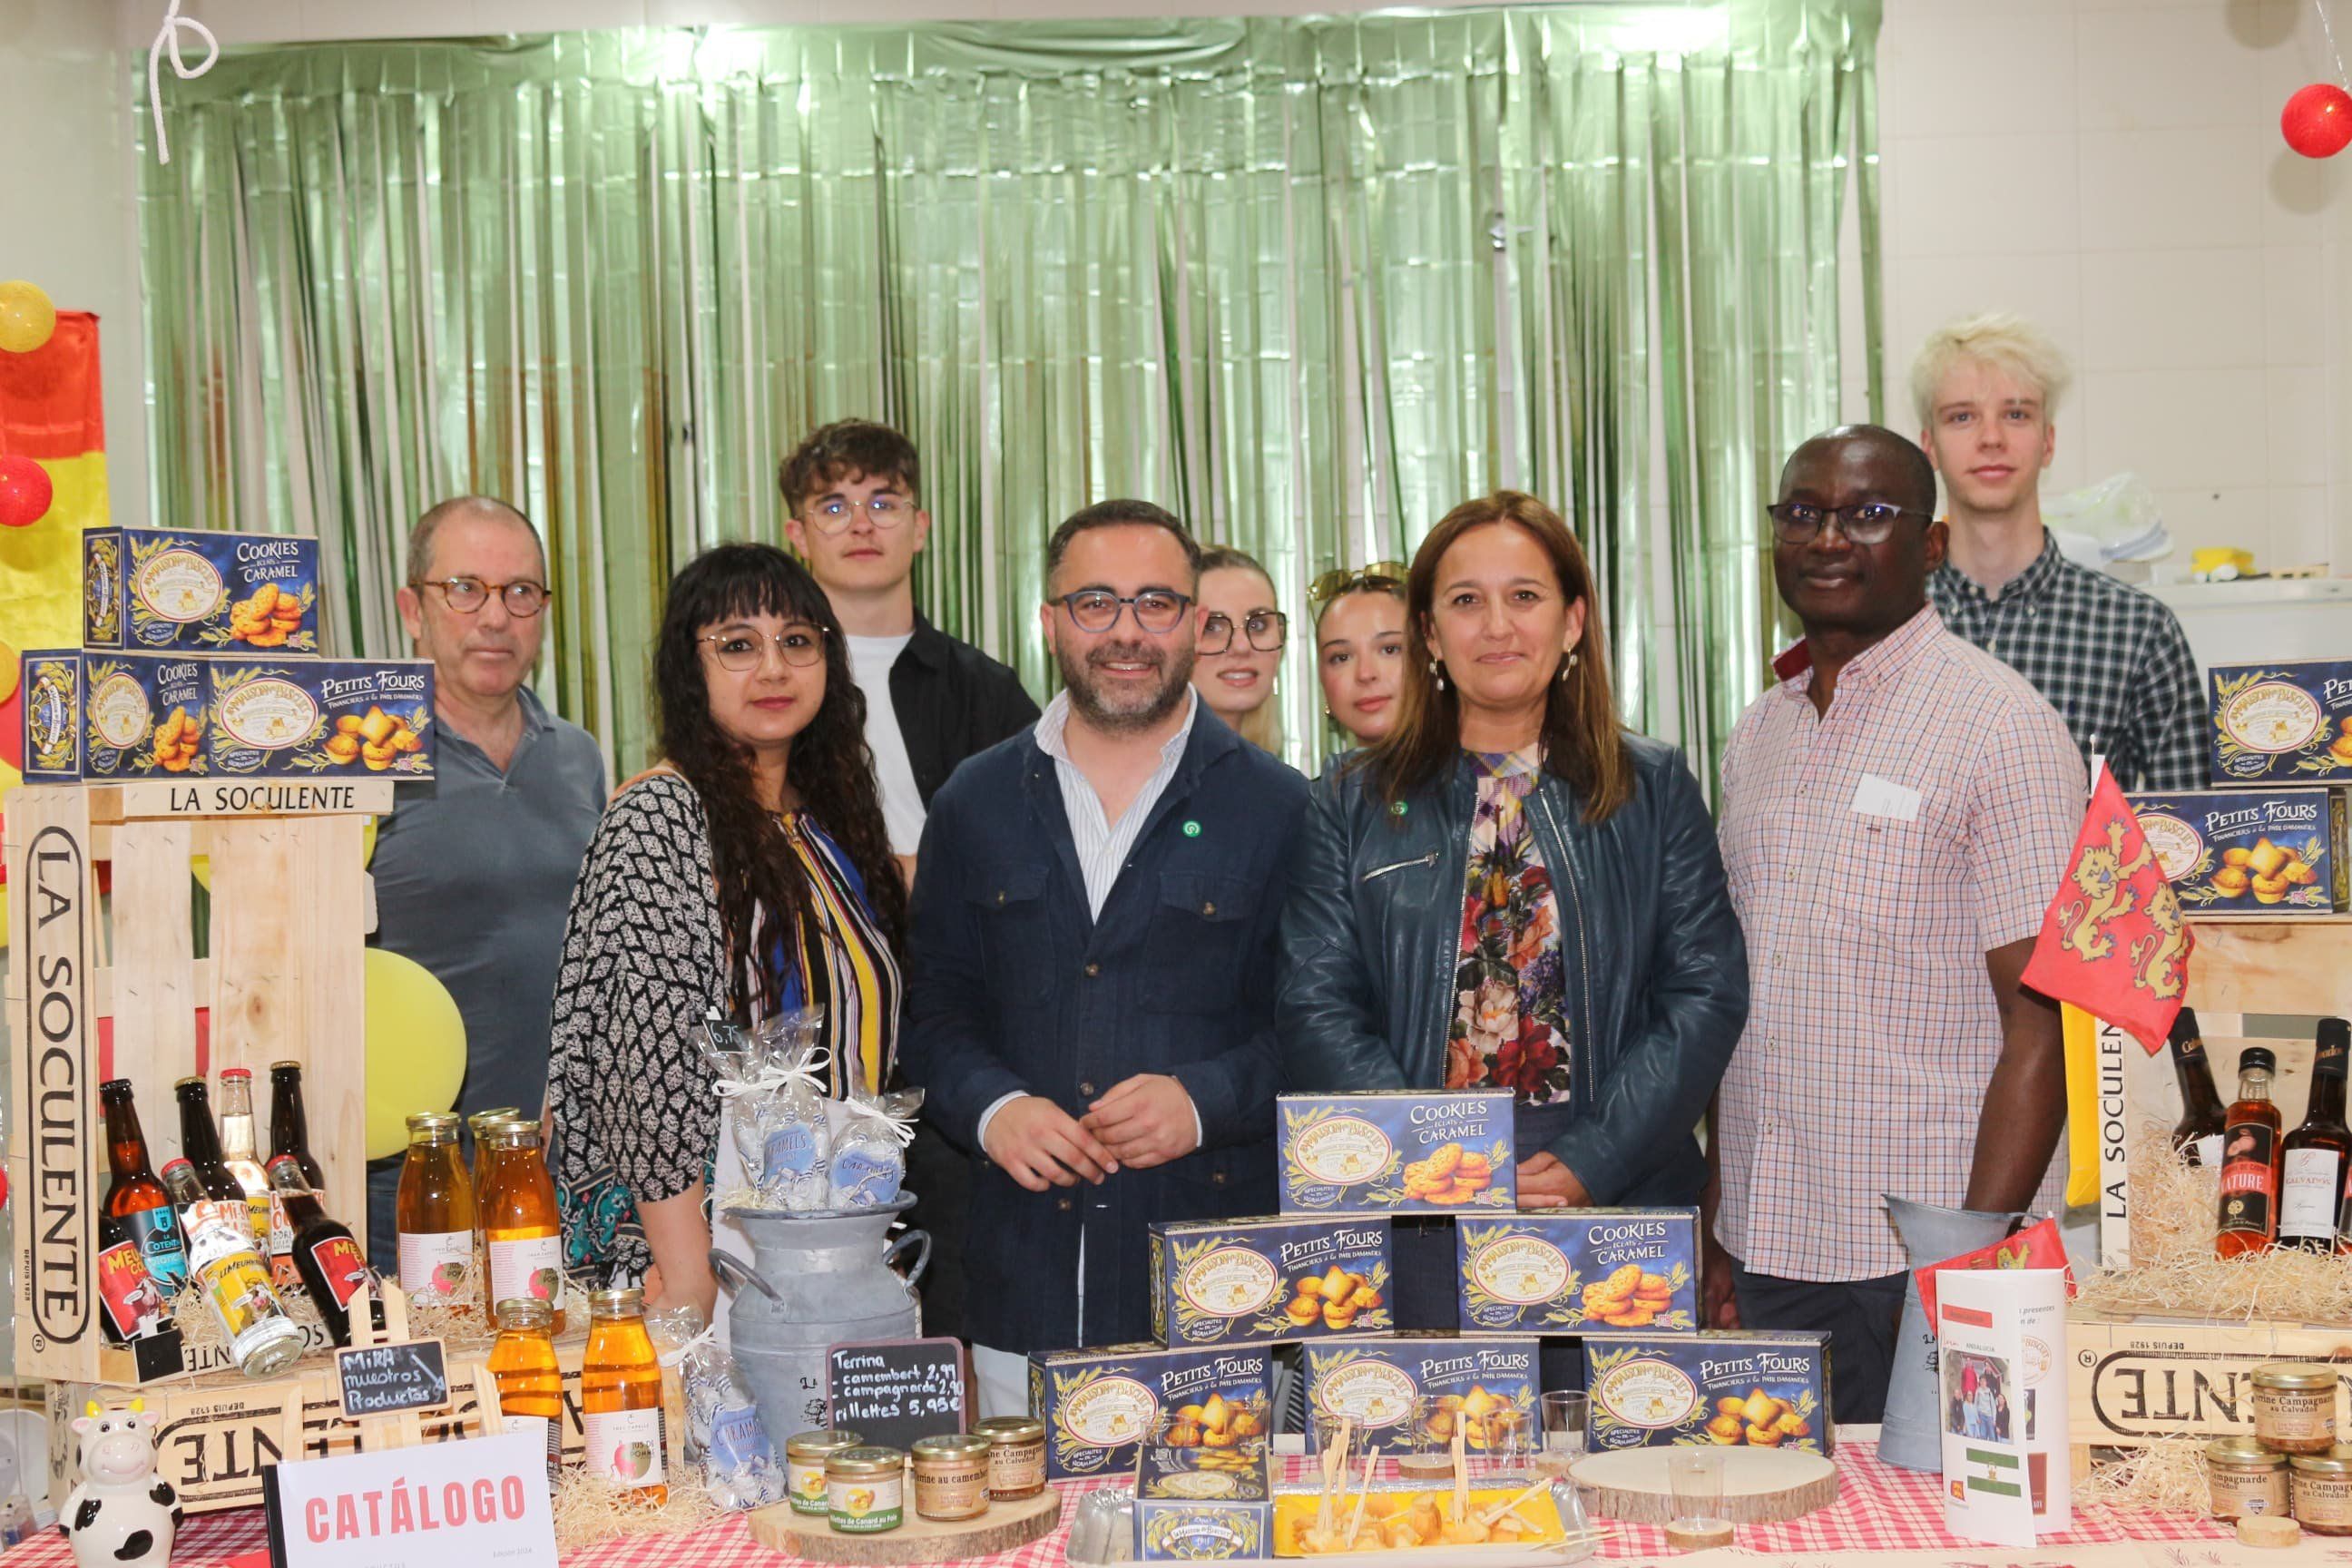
x: 526, y: 1313
x: 877, y: 1461
x: 2286, y: 1374
x: 2242, y: 1454
x: 1011, y: 1430
x: 952, y: 1445
x: 628, y: 1303
x: 433, y: 1122
x: 2337, y: 1461
x: 500, y: 1113
x: 508, y: 1132
x: 817, y: 1443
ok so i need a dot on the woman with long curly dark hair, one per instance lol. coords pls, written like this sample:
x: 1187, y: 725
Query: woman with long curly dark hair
x: 747, y: 871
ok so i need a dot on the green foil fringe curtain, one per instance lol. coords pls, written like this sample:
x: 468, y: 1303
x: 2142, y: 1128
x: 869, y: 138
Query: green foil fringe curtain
x: 1309, y: 282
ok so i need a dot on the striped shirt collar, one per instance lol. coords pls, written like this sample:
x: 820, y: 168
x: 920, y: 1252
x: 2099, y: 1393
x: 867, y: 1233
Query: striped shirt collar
x: 1883, y: 660
x: 1056, y: 719
x: 1102, y: 846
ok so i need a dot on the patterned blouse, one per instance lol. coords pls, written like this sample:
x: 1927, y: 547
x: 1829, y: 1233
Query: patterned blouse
x: 1510, y: 1027
x: 645, y: 960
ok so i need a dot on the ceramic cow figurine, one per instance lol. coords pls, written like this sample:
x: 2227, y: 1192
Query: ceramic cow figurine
x: 121, y: 1513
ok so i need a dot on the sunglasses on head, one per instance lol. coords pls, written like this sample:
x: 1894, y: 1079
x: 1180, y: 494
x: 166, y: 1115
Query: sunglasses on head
x: 1384, y: 575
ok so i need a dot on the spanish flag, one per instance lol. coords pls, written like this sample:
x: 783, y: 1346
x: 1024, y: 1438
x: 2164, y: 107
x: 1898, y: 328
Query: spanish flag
x: 50, y: 411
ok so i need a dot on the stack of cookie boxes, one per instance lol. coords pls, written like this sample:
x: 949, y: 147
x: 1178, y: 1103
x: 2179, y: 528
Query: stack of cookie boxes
x: 199, y: 660
x: 2268, y: 839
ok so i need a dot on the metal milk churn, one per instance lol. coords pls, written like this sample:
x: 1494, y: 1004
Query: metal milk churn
x: 815, y: 1281
x: 1911, y: 1434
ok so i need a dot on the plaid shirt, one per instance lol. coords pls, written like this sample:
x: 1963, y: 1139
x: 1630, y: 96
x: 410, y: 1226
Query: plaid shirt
x: 1876, y: 854
x: 2110, y: 659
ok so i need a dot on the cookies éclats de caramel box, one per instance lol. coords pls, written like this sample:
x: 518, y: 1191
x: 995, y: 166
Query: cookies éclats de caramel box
x: 1203, y: 1505
x: 2264, y: 851
x: 196, y: 590
x: 1259, y: 1280
x: 1487, y: 1387
x: 1578, y: 1269
x: 2289, y: 722
x: 93, y: 715
x: 1100, y: 1405
x: 1396, y: 1152
x: 1717, y: 1388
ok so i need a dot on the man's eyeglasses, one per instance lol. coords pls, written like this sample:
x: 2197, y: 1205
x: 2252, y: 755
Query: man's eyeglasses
x: 467, y: 595
x: 832, y: 516
x: 1866, y: 522
x: 1266, y: 631
x: 1098, y: 609
x: 742, y: 651
x: 1389, y: 577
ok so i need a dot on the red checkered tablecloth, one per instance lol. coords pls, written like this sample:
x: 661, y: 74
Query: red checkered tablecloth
x: 1879, y: 1508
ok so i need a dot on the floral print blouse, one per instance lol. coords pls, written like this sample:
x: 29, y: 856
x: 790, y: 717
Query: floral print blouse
x: 1510, y: 1025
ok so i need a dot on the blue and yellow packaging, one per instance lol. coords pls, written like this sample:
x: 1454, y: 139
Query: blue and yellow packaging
x: 2286, y: 722
x: 1100, y: 1405
x: 1396, y: 1152
x: 1717, y: 1389
x: 2264, y: 851
x: 1203, y: 1505
x: 197, y: 591
x: 1260, y: 1280
x: 1580, y: 1268
x: 1487, y: 1387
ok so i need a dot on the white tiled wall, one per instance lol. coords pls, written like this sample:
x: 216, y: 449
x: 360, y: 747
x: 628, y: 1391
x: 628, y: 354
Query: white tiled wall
x: 2114, y: 169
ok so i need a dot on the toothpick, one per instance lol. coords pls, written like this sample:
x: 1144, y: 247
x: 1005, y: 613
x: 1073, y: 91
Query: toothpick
x: 1363, y: 1495
x: 1461, y: 1478
x: 1500, y: 1508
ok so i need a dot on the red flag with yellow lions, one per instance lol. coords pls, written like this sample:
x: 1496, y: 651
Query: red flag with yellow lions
x: 2114, y: 941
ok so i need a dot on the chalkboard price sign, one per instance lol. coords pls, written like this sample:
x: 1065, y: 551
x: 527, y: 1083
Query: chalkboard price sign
x: 892, y: 1391
x: 384, y: 1380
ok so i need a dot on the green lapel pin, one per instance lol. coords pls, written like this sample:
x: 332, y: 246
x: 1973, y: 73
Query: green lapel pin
x: 1192, y: 828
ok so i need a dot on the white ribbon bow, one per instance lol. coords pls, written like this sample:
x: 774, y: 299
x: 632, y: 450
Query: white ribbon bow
x: 903, y: 1130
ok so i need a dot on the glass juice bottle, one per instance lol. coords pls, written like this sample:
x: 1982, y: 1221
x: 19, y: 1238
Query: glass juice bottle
x: 262, y: 1340
x: 435, y: 1212
x: 620, y: 1399
x: 241, y: 1153
x: 531, y: 1384
x: 2249, y: 1161
x: 477, y: 1124
x: 520, y: 1235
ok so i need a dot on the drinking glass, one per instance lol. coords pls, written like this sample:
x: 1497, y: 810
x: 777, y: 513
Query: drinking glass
x: 1695, y: 1476
x: 1563, y: 1432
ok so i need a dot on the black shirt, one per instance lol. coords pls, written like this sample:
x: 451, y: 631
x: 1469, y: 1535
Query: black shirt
x: 952, y: 701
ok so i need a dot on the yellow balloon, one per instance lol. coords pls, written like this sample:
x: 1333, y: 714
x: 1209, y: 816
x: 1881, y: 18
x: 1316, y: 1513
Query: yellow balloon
x: 203, y: 864
x: 26, y: 317
x: 415, y: 1048
x: 12, y: 665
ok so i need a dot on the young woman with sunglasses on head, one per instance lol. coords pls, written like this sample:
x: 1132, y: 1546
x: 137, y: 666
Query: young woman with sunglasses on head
x: 748, y: 871
x: 1360, y: 648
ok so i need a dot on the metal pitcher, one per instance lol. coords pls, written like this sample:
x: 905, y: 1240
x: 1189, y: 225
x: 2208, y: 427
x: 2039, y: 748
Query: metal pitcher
x: 815, y: 1280
x: 1911, y: 1433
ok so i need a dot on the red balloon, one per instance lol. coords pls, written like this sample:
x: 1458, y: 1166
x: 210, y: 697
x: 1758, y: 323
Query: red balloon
x: 2317, y: 120
x: 25, y: 492
x: 11, y: 734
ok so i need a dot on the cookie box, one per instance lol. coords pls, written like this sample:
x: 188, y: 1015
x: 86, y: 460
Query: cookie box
x: 127, y: 717
x: 1723, y: 1389
x: 1588, y: 1269
x: 2267, y: 852
x: 1241, y: 1281
x: 1100, y: 1405
x: 197, y: 591
x: 1203, y: 1505
x: 1485, y: 1386
x: 2289, y: 721
x: 1401, y: 1153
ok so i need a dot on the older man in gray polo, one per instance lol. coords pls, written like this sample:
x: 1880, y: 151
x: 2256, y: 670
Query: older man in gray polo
x: 474, y: 869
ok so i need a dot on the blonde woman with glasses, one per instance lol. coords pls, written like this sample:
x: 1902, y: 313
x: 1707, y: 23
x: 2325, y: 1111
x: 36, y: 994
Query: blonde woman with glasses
x: 1239, y: 649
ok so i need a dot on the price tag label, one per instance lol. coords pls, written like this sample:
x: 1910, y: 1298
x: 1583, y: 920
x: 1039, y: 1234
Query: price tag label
x: 384, y: 1380
x: 892, y: 1391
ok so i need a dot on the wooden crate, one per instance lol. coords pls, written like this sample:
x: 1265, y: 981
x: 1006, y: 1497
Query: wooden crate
x: 290, y: 910
x: 2134, y: 1380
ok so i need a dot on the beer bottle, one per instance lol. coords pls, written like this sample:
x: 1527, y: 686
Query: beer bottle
x: 435, y: 1212
x: 200, y: 1144
x: 241, y: 1152
x: 2250, y: 1160
x: 530, y: 1384
x: 262, y: 1340
x: 2197, y: 1136
x: 289, y: 1125
x: 2313, y: 1160
x: 620, y: 1399
x: 333, y: 1266
x: 131, y: 1304
x: 136, y: 1200
x: 520, y: 1229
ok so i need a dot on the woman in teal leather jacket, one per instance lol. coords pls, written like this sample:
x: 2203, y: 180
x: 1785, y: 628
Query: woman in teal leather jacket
x: 1510, y: 890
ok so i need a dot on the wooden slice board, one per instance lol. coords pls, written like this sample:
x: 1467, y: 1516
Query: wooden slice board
x: 1759, y: 1484
x: 1004, y: 1526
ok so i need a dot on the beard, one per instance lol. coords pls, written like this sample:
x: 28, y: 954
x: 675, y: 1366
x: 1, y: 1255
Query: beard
x: 1128, y: 708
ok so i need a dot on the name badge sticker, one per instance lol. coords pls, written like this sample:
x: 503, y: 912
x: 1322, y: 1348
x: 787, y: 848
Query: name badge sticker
x: 1875, y: 796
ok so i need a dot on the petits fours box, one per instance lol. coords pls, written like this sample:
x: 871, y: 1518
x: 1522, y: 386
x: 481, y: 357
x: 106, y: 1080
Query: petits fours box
x: 1260, y: 1280
x: 2268, y: 851
x: 169, y: 590
x: 1100, y: 1405
x: 1721, y: 1389
x: 1487, y: 1387
x: 106, y: 717
x: 1203, y: 1505
x: 2286, y: 722
x: 1580, y: 1270
x: 1401, y: 1153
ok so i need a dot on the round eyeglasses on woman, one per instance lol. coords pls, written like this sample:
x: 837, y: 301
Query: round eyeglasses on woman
x: 1098, y: 610
x: 832, y: 516
x: 741, y: 651
x: 1864, y: 522
x: 467, y: 595
x: 1267, y: 630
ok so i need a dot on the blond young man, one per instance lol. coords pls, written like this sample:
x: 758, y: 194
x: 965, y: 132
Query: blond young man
x: 2110, y: 658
